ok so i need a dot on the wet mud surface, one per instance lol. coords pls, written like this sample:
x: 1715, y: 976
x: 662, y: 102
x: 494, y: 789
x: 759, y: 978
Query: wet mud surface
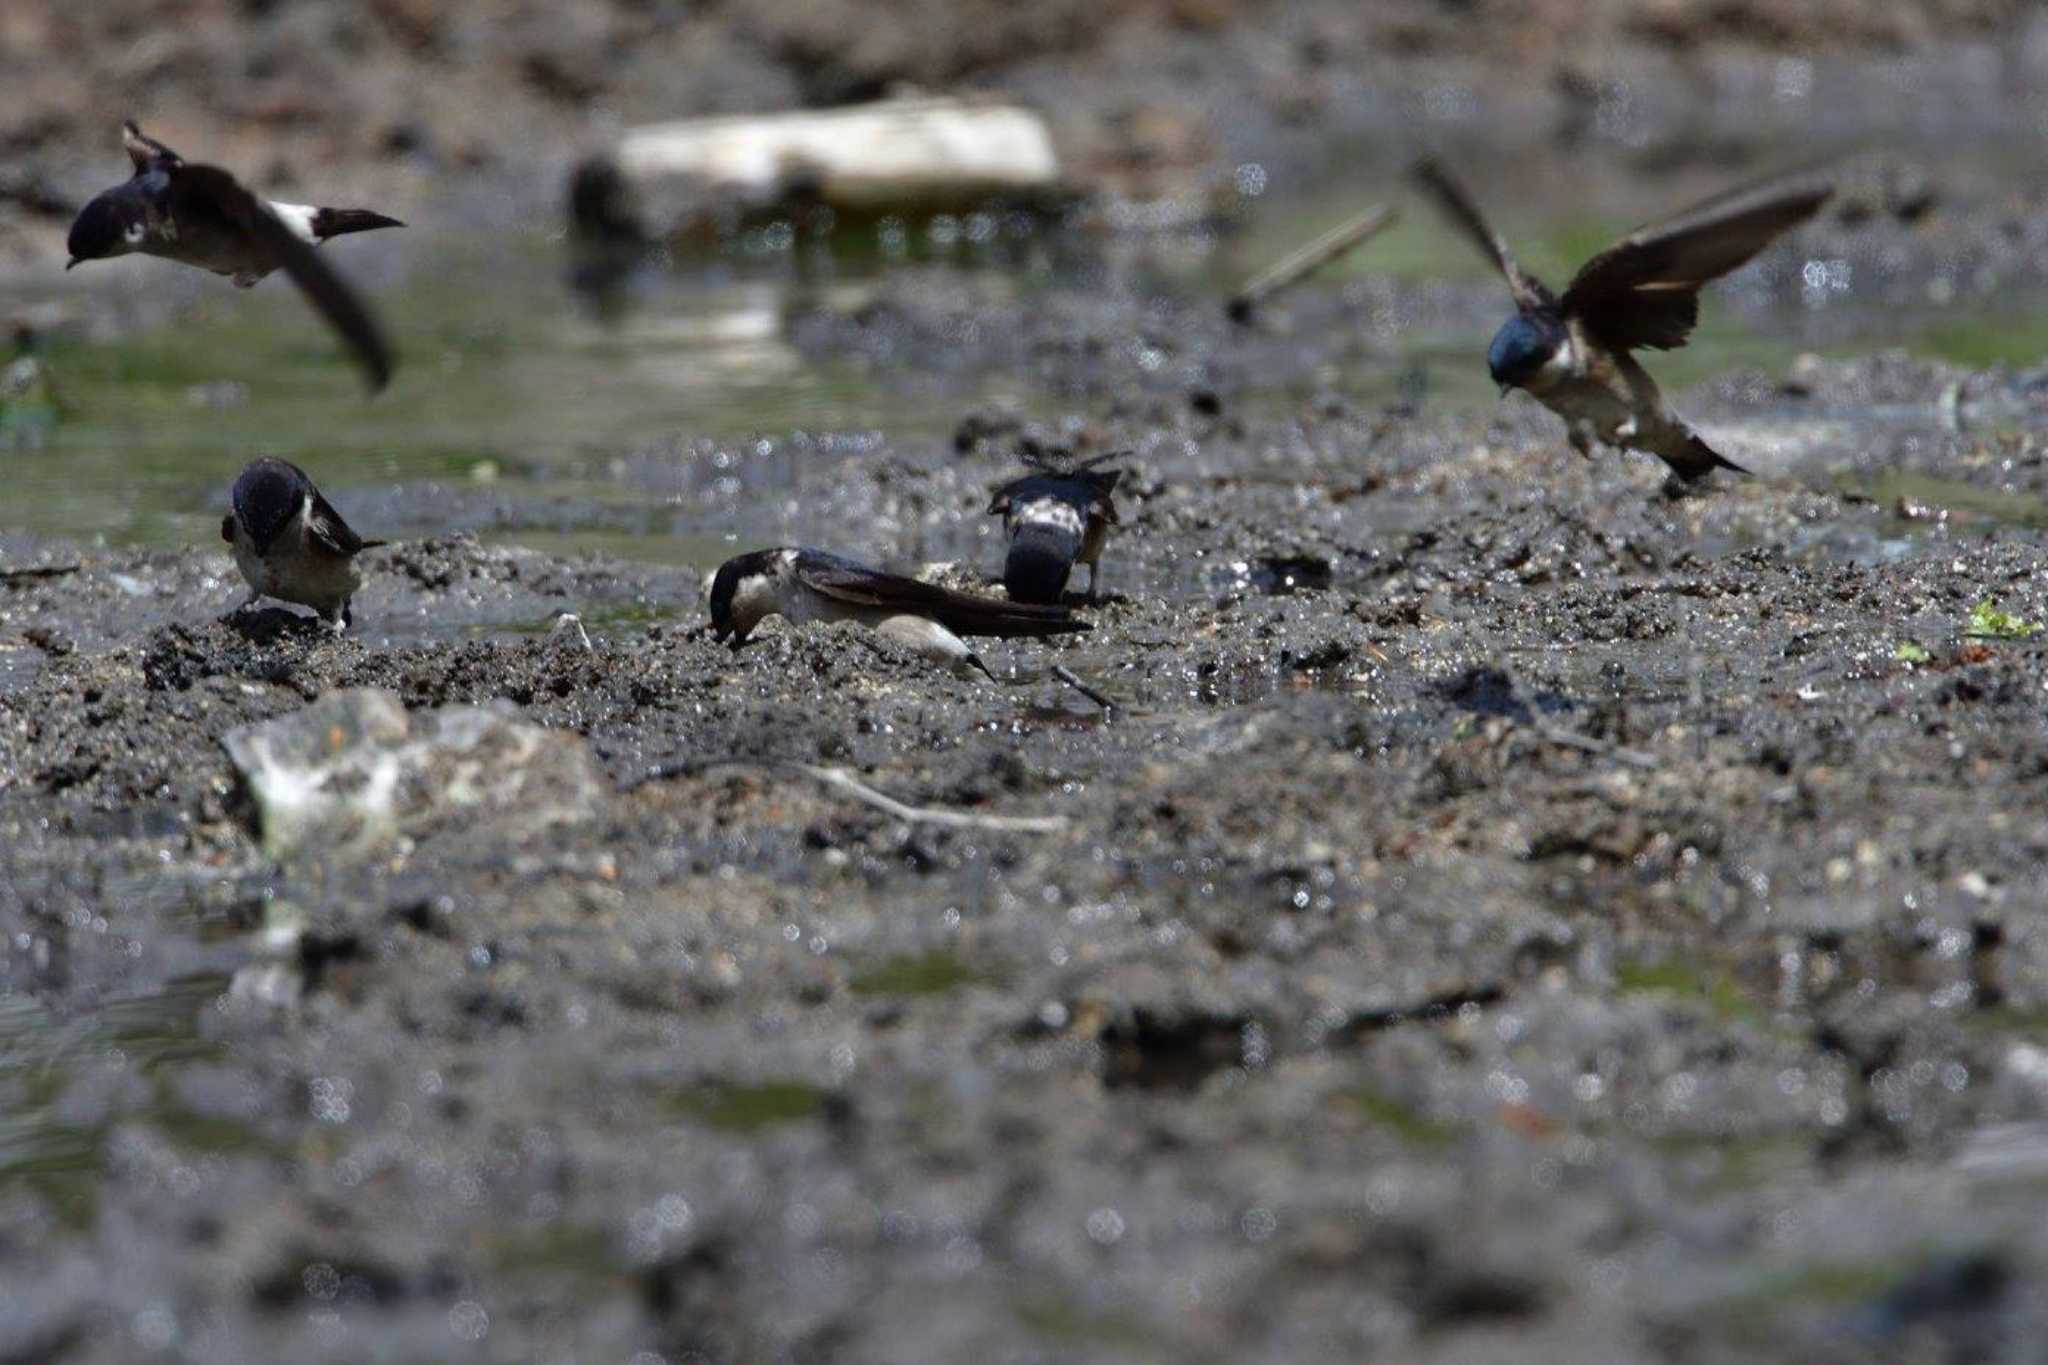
x: 1510, y: 913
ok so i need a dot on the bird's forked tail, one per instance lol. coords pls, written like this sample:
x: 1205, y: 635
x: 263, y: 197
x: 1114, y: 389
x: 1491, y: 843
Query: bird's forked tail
x: 327, y: 223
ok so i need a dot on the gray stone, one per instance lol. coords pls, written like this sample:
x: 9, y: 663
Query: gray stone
x: 354, y: 772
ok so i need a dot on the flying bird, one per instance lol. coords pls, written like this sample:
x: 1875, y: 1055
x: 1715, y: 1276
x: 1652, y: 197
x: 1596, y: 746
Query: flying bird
x: 1056, y: 518
x: 290, y: 544
x: 203, y: 216
x: 1573, y: 352
x: 802, y: 584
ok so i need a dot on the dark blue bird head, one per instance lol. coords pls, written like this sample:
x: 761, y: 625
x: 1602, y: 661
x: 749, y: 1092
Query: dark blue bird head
x: 267, y: 496
x: 105, y: 227
x: 728, y: 619
x: 1520, y: 348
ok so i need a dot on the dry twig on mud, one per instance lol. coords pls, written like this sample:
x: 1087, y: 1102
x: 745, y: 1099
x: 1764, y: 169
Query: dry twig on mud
x: 1296, y: 264
x: 1073, y: 680
x: 38, y: 571
x: 1571, y: 739
x: 842, y: 780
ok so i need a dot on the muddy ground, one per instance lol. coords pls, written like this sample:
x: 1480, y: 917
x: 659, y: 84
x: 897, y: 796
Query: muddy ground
x: 1510, y: 913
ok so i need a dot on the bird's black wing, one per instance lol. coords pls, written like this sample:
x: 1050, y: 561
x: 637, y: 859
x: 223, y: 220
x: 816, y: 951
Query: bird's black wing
x: 959, y: 612
x: 1530, y: 293
x: 999, y: 501
x: 325, y: 526
x: 209, y: 190
x: 1059, y: 460
x: 1644, y: 290
x: 1100, y: 483
x: 146, y: 152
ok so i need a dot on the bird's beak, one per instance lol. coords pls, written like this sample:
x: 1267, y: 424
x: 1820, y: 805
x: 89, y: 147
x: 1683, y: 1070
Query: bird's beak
x: 73, y: 261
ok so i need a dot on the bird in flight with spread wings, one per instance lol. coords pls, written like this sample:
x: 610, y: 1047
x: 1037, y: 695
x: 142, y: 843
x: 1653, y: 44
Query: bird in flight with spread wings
x: 1572, y: 352
x: 203, y: 216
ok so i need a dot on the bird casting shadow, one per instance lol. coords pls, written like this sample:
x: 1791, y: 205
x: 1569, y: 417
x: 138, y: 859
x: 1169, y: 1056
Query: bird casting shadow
x: 267, y: 625
x: 1491, y: 692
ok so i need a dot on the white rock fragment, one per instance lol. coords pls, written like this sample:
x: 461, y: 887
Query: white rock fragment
x: 890, y: 154
x: 354, y: 771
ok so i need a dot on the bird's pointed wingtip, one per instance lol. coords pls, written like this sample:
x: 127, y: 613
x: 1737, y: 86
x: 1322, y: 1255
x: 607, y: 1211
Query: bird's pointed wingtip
x: 1427, y: 170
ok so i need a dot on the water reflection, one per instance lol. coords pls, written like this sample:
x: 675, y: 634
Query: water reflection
x: 66, y: 1082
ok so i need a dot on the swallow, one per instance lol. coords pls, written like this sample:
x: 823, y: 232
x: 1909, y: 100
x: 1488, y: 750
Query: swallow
x: 1573, y: 353
x: 810, y: 585
x: 1055, y: 519
x: 291, y: 544
x: 203, y: 216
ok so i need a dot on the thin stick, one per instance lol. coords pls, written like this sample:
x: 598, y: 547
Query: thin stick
x: 841, y: 780
x: 1634, y: 758
x: 1317, y: 254
x: 38, y: 571
x: 1073, y: 680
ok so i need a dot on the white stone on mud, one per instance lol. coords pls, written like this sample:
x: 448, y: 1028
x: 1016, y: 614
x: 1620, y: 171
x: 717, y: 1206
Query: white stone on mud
x: 894, y: 154
x: 354, y: 771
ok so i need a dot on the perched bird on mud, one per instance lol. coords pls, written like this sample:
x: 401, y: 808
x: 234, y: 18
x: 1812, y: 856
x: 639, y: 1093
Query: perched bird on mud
x: 1056, y: 518
x: 810, y: 585
x: 203, y: 216
x: 290, y: 544
x: 1573, y: 352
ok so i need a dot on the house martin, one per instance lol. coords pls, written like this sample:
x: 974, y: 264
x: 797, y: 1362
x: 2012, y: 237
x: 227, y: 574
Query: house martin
x: 290, y: 544
x: 1572, y: 353
x: 810, y: 585
x: 1056, y: 518
x: 203, y: 216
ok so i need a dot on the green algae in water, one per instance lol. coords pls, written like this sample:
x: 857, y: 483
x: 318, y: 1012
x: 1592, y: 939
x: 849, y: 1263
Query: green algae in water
x: 1716, y: 989
x: 932, y: 973
x: 1402, y: 1120
x: 40, y: 1055
x: 1738, y: 1161
x: 1822, y: 1285
x: 1951, y: 495
x: 1061, y: 1320
x: 554, y: 1251
x: 211, y: 1135
x: 157, y: 424
x: 747, y: 1107
x: 1989, y: 622
x: 1985, y: 338
x: 633, y: 619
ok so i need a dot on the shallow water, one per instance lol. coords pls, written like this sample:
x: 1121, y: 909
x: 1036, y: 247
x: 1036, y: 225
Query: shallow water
x: 513, y: 396
x: 60, y: 1075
